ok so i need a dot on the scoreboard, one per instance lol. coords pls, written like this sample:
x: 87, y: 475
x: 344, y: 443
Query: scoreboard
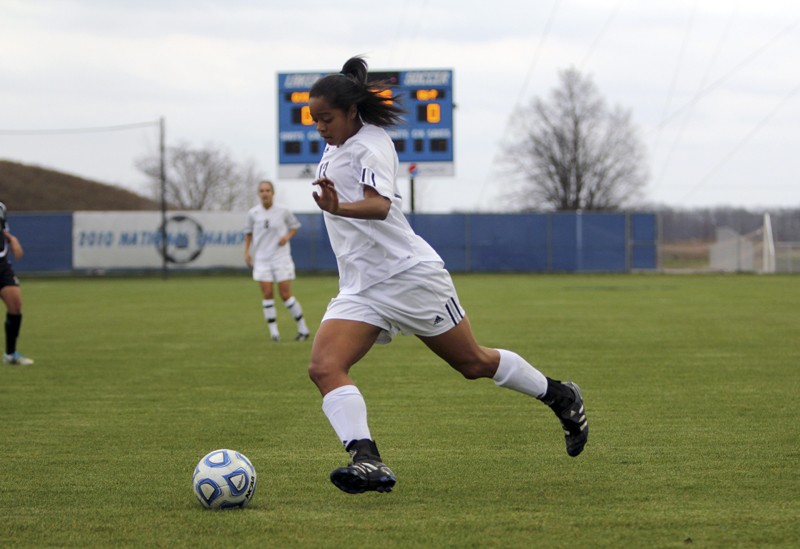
x: 424, y: 140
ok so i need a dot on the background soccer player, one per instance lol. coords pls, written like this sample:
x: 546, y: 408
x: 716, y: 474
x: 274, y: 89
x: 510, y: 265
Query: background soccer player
x: 10, y: 292
x: 267, y: 251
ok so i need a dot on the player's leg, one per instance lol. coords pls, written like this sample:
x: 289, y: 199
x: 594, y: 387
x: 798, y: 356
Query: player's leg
x: 461, y: 351
x: 268, y: 307
x: 12, y: 297
x: 338, y: 345
x: 295, y: 309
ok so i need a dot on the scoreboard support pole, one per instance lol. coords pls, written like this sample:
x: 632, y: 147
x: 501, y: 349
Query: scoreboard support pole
x: 412, y: 172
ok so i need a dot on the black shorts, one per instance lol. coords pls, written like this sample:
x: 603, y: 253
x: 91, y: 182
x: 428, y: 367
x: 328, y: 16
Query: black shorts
x: 7, y: 276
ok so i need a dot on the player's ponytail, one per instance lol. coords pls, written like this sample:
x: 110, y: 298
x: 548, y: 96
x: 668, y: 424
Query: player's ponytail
x: 350, y: 87
x: 356, y: 69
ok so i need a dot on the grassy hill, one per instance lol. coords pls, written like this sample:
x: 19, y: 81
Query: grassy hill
x: 25, y: 188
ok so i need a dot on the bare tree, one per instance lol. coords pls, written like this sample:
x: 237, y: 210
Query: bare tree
x: 205, y: 178
x: 573, y: 152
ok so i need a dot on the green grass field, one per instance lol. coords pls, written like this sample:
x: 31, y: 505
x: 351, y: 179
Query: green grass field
x: 691, y: 386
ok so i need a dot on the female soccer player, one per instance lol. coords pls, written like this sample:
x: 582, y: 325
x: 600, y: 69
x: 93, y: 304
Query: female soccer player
x: 10, y: 292
x: 391, y: 280
x: 269, y: 229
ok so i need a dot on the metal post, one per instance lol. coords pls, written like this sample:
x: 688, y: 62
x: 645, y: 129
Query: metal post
x: 413, y: 209
x: 163, y: 175
x: 578, y: 241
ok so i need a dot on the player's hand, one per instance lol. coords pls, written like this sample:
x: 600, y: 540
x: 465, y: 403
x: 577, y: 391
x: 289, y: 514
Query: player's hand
x: 247, y: 259
x: 327, y: 198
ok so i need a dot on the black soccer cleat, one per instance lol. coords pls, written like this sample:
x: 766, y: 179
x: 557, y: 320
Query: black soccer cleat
x: 573, y: 420
x: 365, y: 472
x: 362, y: 476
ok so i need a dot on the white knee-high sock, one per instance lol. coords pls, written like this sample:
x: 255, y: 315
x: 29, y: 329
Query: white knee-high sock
x: 297, y: 313
x: 346, y: 410
x: 270, y: 315
x: 515, y: 373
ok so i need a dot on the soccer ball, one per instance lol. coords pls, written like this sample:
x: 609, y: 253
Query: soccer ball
x: 224, y: 479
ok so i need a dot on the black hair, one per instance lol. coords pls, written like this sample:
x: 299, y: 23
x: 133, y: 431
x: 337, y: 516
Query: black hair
x: 351, y: 87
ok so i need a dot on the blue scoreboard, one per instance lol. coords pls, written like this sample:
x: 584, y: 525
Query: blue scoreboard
x: 424, y: 141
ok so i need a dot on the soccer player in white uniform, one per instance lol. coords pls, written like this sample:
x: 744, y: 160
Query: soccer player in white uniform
x: 267, y: 251
x: 10, y: 293
x: 391, y: 281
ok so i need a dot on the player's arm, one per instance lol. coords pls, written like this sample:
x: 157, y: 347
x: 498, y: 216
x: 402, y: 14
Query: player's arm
x: 287, y: 237
x: 372, y: 206
x: 13, y: 242
x: 248, y: 240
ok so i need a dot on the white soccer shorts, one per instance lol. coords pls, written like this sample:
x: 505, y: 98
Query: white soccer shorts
x: 419, y: 301
x: 274, y: 272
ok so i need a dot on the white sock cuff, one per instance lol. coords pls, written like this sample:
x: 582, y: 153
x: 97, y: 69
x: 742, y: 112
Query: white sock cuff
x: 339, y: 392
x: 267, y: 302
x: 505, y: 368
x: 290, y: 302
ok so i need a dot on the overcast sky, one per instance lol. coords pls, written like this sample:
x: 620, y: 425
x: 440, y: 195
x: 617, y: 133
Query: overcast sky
x: 713, y: 85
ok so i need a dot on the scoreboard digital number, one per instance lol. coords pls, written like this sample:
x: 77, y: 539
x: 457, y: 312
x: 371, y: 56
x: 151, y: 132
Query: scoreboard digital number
x: 425, y: 138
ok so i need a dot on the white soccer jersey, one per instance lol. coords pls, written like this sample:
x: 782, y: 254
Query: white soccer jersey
x: 369, y: 251
x: 267, y: 228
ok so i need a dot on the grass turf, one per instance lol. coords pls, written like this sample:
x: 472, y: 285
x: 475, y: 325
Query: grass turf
x: 690, y: 382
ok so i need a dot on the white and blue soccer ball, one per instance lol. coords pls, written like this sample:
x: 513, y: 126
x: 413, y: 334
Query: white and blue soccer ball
x: 224, y: 479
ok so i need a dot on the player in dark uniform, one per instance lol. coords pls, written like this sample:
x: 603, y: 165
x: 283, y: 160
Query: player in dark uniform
x: 10, y: 292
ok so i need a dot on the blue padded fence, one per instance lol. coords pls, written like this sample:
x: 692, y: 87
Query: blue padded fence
x: 536, y: 243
